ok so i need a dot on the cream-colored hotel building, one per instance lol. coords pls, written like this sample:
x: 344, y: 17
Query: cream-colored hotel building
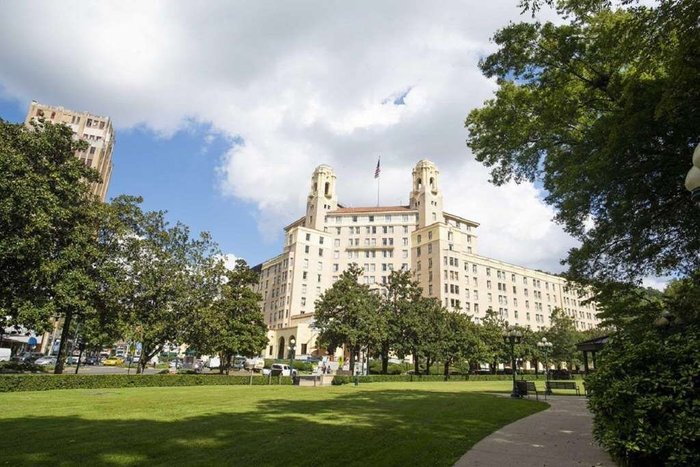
x: 441, y: 249
x: 95, y: 130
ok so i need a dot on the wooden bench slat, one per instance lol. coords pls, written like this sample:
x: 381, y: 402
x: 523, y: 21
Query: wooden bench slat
x: 562, y: 385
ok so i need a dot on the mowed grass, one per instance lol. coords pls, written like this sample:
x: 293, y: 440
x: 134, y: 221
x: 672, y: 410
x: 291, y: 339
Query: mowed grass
x: 372, y: 424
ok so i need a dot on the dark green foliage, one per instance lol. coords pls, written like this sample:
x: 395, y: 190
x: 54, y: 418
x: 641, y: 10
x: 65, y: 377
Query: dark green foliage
x: 375, y: 367
x: 21, y: 367
x: 563, y: 335
x: 230, y: 322
x: 604, y: 110
x: 346, y: 314
x: 646, y: 389
x: 16, y: 383
x: 49, y: 256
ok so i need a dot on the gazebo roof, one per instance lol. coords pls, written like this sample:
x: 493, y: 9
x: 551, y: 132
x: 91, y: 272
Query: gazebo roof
x: 592, y: 345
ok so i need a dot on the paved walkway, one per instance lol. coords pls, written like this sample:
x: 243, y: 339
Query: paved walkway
x: 558, y: 437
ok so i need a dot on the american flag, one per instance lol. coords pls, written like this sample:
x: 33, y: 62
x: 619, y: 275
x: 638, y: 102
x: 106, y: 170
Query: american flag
x: 378, y: 170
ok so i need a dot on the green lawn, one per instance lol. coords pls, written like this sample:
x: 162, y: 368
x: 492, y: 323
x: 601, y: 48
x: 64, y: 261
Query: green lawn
x: 373, y: 424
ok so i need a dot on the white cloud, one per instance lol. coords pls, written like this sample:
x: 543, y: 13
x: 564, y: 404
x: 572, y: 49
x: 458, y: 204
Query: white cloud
x: 301, y: 84
x: 230, y: 260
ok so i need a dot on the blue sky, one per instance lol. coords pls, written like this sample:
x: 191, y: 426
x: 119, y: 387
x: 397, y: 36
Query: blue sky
x: 179, y: 174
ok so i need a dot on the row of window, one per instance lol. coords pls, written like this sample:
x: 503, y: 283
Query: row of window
x: 371, y: 218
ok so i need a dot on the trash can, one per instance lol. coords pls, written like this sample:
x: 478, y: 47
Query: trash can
x: 521, y: 387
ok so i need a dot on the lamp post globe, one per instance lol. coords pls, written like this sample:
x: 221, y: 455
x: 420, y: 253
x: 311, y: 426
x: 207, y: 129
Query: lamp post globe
x: 512, y: 336
x: 692, y: 179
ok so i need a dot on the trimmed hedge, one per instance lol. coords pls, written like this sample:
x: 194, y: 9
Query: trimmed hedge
x: 337, y: 380
x: 16, y: 383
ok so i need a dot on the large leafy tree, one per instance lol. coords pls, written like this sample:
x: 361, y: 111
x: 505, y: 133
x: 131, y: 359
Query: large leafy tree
x: 563, y: 335
x: 459, y: 341
x: 49, y: 223
x: 168, y: 277
x: 400, y: 294
x: 603, y: 109
x: 233, y: 324
x: 345, y: 314
x: 428, y: 330
x: 492, y: 350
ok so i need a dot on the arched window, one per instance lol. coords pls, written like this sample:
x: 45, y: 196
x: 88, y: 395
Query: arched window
x: 315, y: 187
x: 432, y: 183
x: 327, y: 188
x: 419, y: 184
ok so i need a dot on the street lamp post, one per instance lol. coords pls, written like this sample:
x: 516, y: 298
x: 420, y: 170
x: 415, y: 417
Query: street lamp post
x: 545, y: 346
x: 512, y: 336
x: 292, y: 346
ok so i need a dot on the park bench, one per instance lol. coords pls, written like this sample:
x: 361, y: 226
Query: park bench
x: 532, y: 388
x: 562, y: 385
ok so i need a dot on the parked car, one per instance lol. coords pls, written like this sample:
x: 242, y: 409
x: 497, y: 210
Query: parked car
x: 113, y: 361
x: 92, y: 360
x: 72, y: 360
x: 46, y: 361
x: 5, y: 354
x: 279, y: 369
x: 176, y: 363
x: 27, y: 357
x: 238, y: 363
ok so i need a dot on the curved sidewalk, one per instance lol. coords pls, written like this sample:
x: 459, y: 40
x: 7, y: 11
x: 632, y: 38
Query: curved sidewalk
x: 558, y: 436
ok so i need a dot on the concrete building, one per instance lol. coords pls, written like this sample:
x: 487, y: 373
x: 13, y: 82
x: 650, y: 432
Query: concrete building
x: 438, y: 247
x: 95, y: 130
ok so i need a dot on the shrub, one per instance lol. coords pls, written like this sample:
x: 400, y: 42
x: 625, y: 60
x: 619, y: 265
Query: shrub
x: 16, y: 383
x: 644, y: 397
x: 21, y: 367
x: 375, y: 368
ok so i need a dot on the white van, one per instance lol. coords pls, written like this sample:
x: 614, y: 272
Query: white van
x: 255, y: 364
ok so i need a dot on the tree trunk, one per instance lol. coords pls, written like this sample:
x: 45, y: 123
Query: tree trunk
x: 62, y: 346
x: 416, y: 362
x: 228, y: 363
x: 447, y: 368
x: 385, y: 359
x: 494, y: 365
x: 352, y: 360
x: 428, y: 362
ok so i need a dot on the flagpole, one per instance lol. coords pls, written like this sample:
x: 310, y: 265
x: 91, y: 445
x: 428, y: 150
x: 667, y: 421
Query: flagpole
x: 377, y: 175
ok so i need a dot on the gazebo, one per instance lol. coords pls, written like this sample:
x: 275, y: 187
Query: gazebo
x: 591, y: 346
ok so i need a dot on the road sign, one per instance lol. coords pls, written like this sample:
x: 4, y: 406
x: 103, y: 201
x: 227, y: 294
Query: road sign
x: 32, y: 342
